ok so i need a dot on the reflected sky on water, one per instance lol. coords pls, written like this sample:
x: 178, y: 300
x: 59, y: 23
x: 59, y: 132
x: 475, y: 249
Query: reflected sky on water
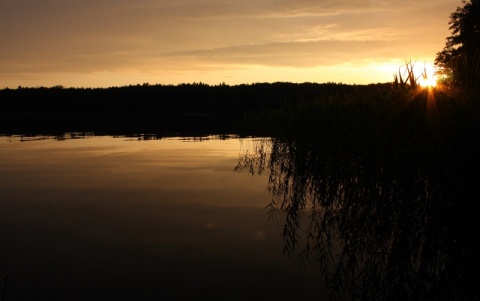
x: 101, y: 217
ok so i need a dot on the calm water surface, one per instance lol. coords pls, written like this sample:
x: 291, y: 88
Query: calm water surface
x: 103, y: 218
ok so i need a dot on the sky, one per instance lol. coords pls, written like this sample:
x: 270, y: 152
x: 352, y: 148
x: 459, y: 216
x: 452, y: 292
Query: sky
x: 104, y: 43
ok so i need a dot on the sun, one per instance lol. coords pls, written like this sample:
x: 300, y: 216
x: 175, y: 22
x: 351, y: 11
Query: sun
x: 427, y: 77
x: 428, y: 82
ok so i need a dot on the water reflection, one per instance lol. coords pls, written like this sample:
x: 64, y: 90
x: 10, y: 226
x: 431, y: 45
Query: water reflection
x: 398, y: 225
x: 85, y: 135
x: 103, y: 218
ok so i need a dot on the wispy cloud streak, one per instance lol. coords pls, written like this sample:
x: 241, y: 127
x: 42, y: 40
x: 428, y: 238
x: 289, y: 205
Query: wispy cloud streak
x: 39, y: 36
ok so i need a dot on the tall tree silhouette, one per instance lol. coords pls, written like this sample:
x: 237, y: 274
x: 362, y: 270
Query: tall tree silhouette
x: 460, y: 59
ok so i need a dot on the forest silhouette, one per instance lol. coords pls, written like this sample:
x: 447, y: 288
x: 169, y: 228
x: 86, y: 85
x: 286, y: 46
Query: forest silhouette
x: 194, y: 108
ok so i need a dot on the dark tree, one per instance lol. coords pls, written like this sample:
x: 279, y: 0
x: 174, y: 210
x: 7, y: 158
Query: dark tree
x: 459, y: 61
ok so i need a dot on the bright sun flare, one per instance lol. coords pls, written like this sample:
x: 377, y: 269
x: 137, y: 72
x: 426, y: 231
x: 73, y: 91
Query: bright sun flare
x: 427, y: 77
x: 428, y: 82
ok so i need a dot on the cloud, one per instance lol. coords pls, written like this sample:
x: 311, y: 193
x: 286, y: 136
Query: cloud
x: 290, y: 54
x: 177, y: 36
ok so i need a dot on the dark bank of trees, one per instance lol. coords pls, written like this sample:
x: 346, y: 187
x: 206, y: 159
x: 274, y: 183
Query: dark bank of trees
x: 187, y: 108
x: 185, y: 98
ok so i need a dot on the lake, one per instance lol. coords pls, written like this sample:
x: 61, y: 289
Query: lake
x: 86, y: 217
x: 149, y: 217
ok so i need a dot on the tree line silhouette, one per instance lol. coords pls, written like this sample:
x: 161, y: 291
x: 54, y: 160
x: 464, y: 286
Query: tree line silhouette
x: 165, y: 109
x: 183, y: 98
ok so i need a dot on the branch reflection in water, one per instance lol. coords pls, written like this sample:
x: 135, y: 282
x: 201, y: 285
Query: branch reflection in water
x: 390, y: 226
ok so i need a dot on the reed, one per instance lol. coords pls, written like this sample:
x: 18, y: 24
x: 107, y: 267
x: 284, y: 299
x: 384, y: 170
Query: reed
x: 406, y: 78
x: 392, y: 117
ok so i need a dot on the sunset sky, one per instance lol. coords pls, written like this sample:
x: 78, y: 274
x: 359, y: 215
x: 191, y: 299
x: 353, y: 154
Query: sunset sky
x: 100, y: 43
